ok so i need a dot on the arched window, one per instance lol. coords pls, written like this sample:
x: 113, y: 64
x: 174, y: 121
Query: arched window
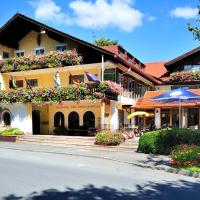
x: 73, y: 120
x: 89, y: 119
x: 59, y: 120
x: 6, y: 118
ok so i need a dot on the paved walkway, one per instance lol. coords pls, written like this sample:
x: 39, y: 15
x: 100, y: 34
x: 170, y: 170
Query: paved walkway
x: 133, y: 157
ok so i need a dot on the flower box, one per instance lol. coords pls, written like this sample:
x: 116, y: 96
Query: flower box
x: 12, y: 138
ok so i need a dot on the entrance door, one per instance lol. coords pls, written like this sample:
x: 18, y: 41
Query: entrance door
x: 193, y: 117
x: 36, y: 121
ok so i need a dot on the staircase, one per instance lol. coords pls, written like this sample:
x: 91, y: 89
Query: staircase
x: 76, y: 141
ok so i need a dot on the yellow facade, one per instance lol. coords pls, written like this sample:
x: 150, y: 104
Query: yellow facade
x: 29, y: 43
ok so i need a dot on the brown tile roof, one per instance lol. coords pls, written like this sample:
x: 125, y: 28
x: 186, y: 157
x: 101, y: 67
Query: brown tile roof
x: 156, y: 69
x: 145, y: 103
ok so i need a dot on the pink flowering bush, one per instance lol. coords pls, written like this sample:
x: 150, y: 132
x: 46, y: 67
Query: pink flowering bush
x: 113, y: 87
x: 186, y: 155
x: 109, y: 138
x: 52, y: 60
x: 185, y: 76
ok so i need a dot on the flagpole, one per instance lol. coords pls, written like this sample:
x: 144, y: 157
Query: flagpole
x: 102, y: 68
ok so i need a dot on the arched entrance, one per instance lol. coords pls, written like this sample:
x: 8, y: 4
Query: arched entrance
x: 73, y: 120
x: 59, y: 120
x: 6, y: 117
x: 36, y: 121
x: 89, y: 119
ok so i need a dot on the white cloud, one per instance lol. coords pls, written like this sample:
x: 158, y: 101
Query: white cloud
x: 47, y: 10
x: 98, y: 14
x: 151, y: 18
x: 185, y: 12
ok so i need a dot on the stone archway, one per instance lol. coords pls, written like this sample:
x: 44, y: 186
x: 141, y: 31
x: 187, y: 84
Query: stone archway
x: 89, y: 119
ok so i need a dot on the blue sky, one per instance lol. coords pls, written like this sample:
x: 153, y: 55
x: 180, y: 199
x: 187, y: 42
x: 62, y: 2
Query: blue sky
x: 151, y: 30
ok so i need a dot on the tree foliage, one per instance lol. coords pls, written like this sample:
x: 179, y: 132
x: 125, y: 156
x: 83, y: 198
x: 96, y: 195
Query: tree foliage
x: 195, y: 29
x: 105, y: 42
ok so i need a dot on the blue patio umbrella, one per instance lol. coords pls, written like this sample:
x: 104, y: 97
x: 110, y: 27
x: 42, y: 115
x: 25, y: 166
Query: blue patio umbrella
x: 92, y: 77
x: 177, y: 96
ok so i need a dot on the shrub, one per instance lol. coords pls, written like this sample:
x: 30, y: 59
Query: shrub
x: 163, y: 141
x: 109, y: 138
x: 186, y: 155
x: 11, y: 131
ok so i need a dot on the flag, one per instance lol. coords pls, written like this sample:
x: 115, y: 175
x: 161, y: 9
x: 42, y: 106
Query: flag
x: 13, y: 82
x: 28, y: 84
x: 92, y: 77
x: 57, y: 79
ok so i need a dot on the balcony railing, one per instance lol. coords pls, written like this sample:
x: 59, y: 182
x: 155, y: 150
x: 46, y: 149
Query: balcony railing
x: 82, y: 91
x: 50, y: 60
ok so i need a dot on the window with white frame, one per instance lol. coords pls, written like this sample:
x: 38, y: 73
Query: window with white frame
x: 61, y: 47
x: 19, y: 53
x: 39, y: 51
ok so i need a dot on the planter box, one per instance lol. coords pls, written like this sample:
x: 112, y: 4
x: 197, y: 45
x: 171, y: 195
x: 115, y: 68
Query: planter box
x: 12, y: 138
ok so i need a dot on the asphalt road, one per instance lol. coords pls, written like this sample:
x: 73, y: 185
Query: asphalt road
x: 26, y: 175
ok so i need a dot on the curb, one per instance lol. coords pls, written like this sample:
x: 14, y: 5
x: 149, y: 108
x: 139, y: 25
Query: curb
x: 171, y: 170
x: 166, y: 169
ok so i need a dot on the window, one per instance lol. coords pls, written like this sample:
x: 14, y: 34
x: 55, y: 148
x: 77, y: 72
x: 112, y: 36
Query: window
x: 59, y: 119
x: 130, y: 61
x: 5, y: 55
x: 193, y: 68
x: 75, y: 79
x: 19, y: 53
x: 18, y: 83
x: 32, y: 82
x: 39, y: 51
x: 110, y: 74
x: 61, y: 47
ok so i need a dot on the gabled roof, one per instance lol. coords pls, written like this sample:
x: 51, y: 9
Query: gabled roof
x: 20, y: 25
x: 183, y: 56
x: 156, y: 69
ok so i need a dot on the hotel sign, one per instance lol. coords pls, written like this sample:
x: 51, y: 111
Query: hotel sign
x: 78, y: 106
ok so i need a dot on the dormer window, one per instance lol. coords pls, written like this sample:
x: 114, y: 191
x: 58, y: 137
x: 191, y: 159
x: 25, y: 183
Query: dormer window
x: 121, y: 55
x: 19, y: 53
x: 39, y: 51
x: 61, y: 47
x: 130, y: 61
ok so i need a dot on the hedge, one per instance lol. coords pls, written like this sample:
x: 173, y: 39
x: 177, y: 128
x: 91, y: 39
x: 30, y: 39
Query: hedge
x: 163, y: 141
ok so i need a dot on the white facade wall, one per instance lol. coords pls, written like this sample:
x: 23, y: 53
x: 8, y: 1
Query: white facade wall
x: 114, y: 120
x: 158, y: 118
x: 20, y: 117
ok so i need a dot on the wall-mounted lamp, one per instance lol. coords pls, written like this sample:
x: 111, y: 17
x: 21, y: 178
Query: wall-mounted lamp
x: 42, y: 32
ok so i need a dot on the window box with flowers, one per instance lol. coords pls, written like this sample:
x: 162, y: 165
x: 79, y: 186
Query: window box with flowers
x: 50, y: 60
x: 82, y: 91
x: 185, y: 76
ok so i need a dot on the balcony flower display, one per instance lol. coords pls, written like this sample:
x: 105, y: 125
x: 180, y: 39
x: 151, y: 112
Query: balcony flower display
x: 82, y: 91
x: 52, y: 60
x: 185, y: 76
